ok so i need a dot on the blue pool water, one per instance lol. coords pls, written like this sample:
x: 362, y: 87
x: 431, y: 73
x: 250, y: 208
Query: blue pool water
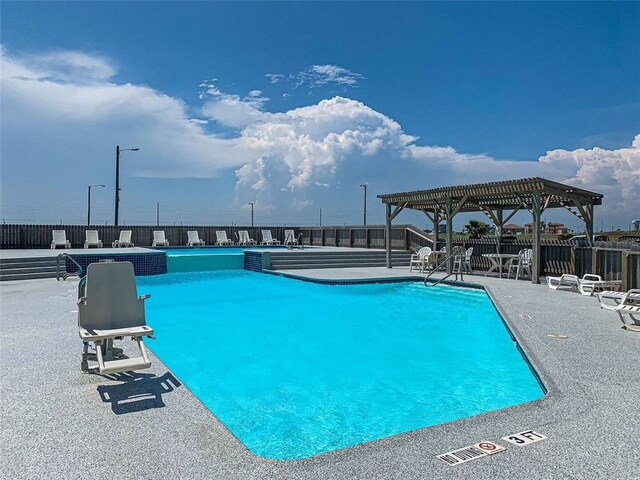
x: 295, y: 369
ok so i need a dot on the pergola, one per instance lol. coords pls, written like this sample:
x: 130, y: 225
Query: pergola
x: 497, y: 200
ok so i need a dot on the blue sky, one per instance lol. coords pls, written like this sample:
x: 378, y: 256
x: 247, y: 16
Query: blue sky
x: 402, y: 96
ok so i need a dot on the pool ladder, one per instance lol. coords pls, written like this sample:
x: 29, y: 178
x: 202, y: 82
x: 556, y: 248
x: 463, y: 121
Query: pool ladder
x: 66, y: 274
x: 458, y: 256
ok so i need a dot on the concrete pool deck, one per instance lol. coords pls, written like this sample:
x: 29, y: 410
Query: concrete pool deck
x: 59, y: 423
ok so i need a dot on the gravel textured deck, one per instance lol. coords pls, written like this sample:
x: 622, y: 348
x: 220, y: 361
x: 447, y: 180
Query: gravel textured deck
x: 59, y: 423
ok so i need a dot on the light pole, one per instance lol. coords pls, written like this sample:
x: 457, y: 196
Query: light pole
x: 251, y: 203
x: 89, y: 202
x: 118, y: 150
x: 365, y: 203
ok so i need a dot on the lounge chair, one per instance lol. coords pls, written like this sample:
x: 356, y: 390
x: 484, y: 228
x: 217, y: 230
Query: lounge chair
x: 124, y: 240
x: 159, y: 240
x: 193, y: 239
x: 610, y: 299
x: 290, y: 237
x: 60, y: 239
x: 523, y: 262
x: 588, y: 285
x: 109, y: 309
x: 91, y: 239
x: 221, y: 237
x: 420, y: 259
x: 629, y: 309
x: 267, y: 239
x: 243, y: 238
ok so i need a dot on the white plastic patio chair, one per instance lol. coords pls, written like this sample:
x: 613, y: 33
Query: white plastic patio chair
x: 59, y: 239
x: 159, y: 240
x: 124, y: 240
x: 193, y: 239
x: 267, y: 239
x: 91, y: 239
x: 244, y: 239
x: 588, y: 285
x: 109, y: 309
x: 289, y: 237
x: 420, y: 259
x: 466, y: 265
x: 522, y: 263
x: 221, y: 237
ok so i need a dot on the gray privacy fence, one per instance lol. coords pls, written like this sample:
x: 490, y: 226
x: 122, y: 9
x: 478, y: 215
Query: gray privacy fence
x: 39, y: 236
x: 611, y: 260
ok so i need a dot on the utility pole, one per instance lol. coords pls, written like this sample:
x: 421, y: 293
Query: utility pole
x: 117, y: 206
x: 321, y: 216
x: 251, y: 203
x: 365, y: 203
x: 158, y: 214
x: 89, y: 202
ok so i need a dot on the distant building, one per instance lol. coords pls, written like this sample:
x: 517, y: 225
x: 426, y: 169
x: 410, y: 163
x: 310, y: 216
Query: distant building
x: 553, y: 228
x: 636, y: 224
x: 512, y: 229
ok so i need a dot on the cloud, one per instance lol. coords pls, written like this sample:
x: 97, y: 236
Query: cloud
x: 274, y: 77
x: 319, y: 75
x: 62, y: 111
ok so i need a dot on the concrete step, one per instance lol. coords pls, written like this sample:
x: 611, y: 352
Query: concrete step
x: 50, y: 260
x: 29, y: 269
x: 26, y: 276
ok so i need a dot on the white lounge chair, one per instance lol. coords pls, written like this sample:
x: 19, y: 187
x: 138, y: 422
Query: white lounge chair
x: 267, y: 239
x: 221, y: 237
x: 159, y: 240
x: 420, y: 259
x: 522, y: 263
x: 60, y: 239
x: 243, y: 238
x: 629, y: 309
x: 588, y: 285
x: 109, y: 309
x: 124, y: 240
x: 290, y: 237
x: 610, y: 299
x: 91, y: 239
x: 193, y: 239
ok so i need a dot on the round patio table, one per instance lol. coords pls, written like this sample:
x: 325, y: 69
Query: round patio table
x: 498, y: 261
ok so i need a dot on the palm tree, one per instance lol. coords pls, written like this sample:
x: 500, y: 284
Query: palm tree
x: 476, y: 228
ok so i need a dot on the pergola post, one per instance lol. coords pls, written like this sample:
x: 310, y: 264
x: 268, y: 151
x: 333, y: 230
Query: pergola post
x: 436, y: 227
x: 499, y: 226
x: 537, y: 213
x: 387, y: 235
x: 449, y: 213
x: 588, y: 224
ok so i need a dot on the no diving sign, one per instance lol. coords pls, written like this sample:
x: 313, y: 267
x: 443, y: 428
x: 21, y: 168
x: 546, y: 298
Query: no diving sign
x: 524, y: 438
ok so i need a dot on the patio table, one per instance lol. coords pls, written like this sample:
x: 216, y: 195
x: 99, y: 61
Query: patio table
x: 498, y: 261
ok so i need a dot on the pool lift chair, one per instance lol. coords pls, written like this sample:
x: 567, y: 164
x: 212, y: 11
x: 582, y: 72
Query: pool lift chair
x: 109, y: 309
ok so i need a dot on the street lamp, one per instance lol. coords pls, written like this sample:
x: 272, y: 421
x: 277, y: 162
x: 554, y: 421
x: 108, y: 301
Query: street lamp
x: 118, y: 150
x: 365, y: 203
x: 251, y: 203
x: 89, y: 202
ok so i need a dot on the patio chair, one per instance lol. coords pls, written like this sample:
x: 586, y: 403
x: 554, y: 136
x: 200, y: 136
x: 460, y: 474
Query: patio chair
x: 522, y: 263
x: 221, y: 237
x: 421, y: 259
x: 289, y: 237
x: 267, y: 239
x: 466, y: 263
x: 124, y: 240
x: 108, y: 310
x: 243, y: 238
x: 60, y: 239
x: 193, y: 239
x: 159, y: 240
x: 629, y: 309
x: 91, y: 239
x: 610, y: 299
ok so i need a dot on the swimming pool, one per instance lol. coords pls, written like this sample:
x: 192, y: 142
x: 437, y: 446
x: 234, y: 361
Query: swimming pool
x: 295, y: 369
